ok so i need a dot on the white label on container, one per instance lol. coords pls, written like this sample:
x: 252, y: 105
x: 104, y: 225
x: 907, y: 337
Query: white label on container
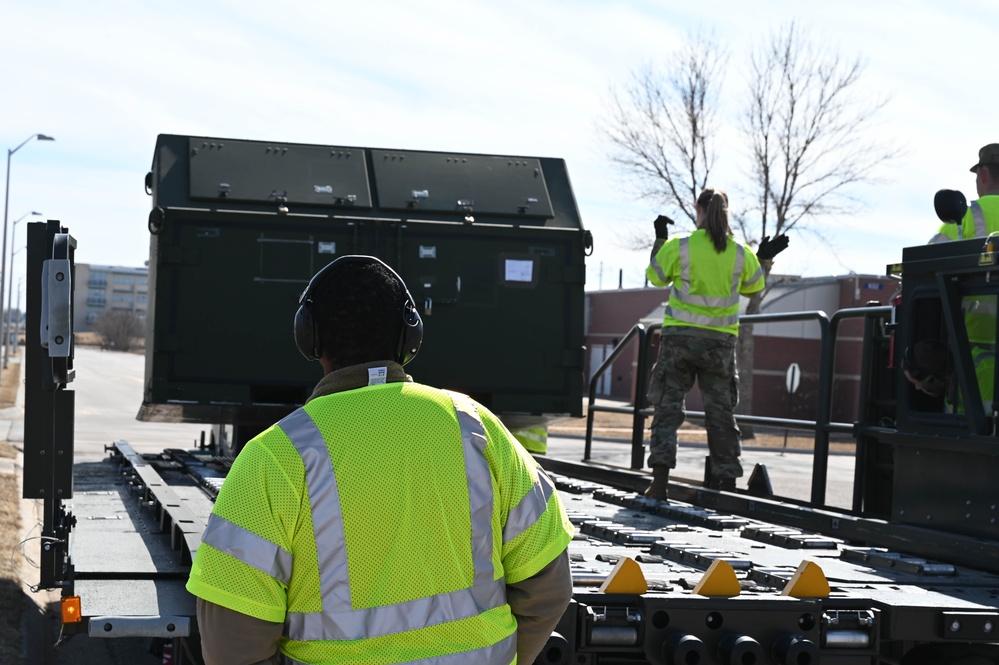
x: 519, y: 271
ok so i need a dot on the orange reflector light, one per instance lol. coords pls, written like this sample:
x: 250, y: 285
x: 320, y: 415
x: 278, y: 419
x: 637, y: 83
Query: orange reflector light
x: 71, y: 609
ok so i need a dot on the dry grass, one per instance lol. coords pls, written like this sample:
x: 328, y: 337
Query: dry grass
x: 11, y: 593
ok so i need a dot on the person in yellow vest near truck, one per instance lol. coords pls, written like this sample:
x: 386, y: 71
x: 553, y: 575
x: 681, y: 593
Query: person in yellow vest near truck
x: 980, y: 220
x: 385, y: 521
x: 708, y: 270
x: 530, y: 431
x: 982, y: 216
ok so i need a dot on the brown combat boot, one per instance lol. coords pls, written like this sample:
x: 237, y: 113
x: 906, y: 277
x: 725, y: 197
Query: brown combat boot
x: 659, y: 489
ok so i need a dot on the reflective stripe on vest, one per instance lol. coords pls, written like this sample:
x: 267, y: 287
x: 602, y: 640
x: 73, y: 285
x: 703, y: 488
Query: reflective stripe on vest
x: 530, y: 508
x: 982, y: 306
x: 248, y: 547
x: 536, y: 434
x: 659, y: 271
x: 683, y: 295
x: 981, y: 231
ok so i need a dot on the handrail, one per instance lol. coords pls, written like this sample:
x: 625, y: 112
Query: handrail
x: 639, y: 331
x: 820, y: 460
x: 822, y: 426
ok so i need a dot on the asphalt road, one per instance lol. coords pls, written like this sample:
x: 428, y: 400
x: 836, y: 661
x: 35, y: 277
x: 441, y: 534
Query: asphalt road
x: 109, y: 390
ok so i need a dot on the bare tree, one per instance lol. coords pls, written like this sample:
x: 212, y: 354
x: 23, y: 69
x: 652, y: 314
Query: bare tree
x: 809, y: 128
x: 660, y: 129
x: 119, y: 330
x: 807, y: 125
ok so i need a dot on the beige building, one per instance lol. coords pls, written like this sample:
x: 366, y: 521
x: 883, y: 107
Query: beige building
x: 100, y: 289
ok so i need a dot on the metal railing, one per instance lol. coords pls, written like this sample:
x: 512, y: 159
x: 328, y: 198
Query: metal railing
x: 822, y: 425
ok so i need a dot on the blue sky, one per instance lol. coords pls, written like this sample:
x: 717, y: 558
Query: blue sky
x: 513, y: 77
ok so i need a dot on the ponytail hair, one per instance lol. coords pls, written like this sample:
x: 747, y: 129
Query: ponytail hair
x: 714, y: 203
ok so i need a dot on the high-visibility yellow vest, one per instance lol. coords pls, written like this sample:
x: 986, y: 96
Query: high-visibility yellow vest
x: 981, y: 219
x: 985, y: 367
x: 534, y: 439
x: 706, y: 283
x: 980, y: 319
x: 381, y: 525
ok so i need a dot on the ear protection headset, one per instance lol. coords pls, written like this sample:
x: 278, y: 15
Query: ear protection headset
x: 307, y: 334
x: 931, y: 383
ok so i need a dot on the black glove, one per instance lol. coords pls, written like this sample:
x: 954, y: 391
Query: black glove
x: 770, y: 248
x: 662, y: 222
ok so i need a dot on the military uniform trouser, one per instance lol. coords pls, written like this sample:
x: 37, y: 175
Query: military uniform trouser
x: 710, y: 360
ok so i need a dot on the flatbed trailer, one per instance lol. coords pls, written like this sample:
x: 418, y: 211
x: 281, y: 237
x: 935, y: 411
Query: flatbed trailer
x: 882, y: 602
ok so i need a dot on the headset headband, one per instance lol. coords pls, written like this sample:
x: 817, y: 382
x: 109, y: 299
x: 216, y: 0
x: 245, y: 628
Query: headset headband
x: 308, y: 337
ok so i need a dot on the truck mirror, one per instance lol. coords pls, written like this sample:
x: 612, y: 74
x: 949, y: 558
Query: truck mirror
x: 950, y: 205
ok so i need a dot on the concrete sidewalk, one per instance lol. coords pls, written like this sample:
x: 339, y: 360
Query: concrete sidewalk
x: 790, y: 471
x: 12, y: 431
x: 12, y: 427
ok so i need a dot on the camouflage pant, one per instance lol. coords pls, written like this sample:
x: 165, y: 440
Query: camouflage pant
x: 710, y: 360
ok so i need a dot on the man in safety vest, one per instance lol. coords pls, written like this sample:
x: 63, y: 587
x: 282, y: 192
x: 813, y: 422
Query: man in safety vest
x: 982, y: 216
x: 980, y: 220
x: 708, y: 270
x: 385, y: 521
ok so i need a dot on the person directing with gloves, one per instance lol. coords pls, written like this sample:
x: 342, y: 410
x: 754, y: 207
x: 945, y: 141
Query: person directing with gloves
x: 708, y: 270
x: 385, y: 521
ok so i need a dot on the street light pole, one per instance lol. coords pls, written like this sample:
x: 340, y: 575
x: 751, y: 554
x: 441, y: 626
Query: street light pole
x: 10, y: 287
x: 6, y: 205
x: 17, y: 326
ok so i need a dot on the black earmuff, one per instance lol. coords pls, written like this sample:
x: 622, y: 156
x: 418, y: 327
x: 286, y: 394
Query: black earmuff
x: 307, y: 334
x: 306, y: 331
x: 411, y: 337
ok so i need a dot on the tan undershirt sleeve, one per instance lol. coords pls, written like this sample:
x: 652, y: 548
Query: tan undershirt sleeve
x: 234, y: 638
x: 538, y: 603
